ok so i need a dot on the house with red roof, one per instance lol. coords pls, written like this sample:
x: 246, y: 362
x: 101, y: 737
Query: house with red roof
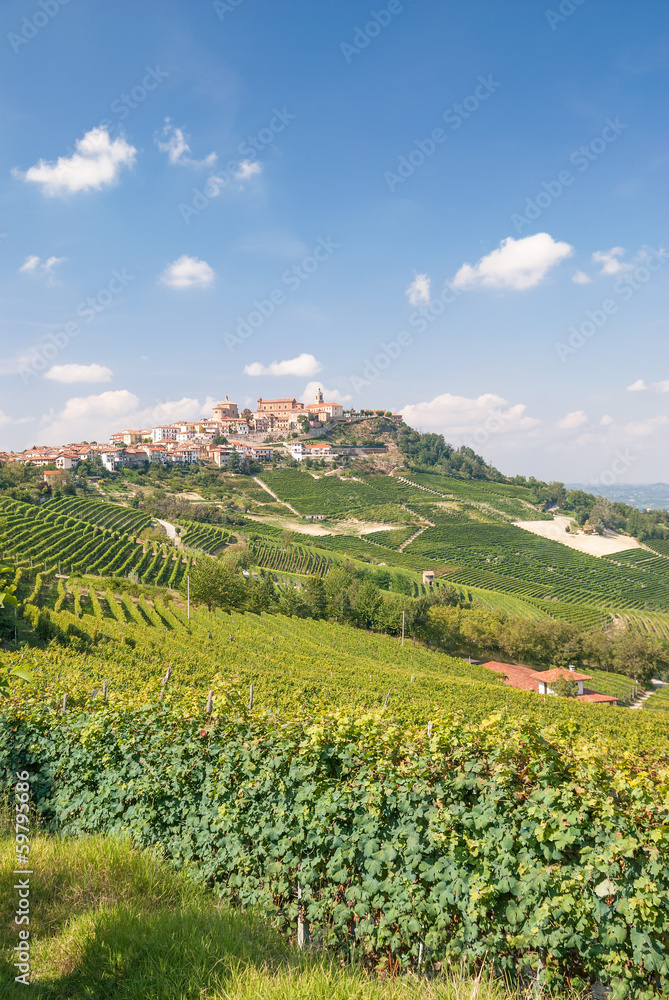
x: 543, y: 681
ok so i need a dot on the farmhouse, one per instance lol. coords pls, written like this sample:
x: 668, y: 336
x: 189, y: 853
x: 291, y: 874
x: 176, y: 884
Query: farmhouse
x: 543, y: 681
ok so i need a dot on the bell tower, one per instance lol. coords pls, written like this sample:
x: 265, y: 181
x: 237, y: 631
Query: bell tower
x: 319, y: 397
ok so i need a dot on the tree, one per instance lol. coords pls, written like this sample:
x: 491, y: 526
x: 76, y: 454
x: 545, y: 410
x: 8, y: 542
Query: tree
x: 216, y: 584
x: 291, y: 603
x: 246, y: 414
x: 367, y: 603
x: 315, y: 596
x: 564, y: 687
x: 602, y: 515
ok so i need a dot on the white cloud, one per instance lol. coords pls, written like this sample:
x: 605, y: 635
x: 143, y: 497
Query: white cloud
x: 304, y: 364
x: 97, y: 162
x: 79, y: 373
x: 248, y: 168
x: 7, y: 421
x: 581, y: 278
x: 642, y: 428
x: 31, y: 263
x: 89, y: 417
x: 330, y: 395
x: 52, y: 262
x: 611, y: 260
x: 516, y: 264
x: 638, y: 386
x: 661, y: 386
x: 95, y: 417
x: 457, y: 416
x: 606, y: 421
x: 167, y: 412
x: 418, y: 291
x: 187, y: 272
x: 574, y: 419
x: 177, y: 148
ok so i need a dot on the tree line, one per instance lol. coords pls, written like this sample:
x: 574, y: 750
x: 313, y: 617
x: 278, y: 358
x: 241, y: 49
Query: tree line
x: 444, y: 619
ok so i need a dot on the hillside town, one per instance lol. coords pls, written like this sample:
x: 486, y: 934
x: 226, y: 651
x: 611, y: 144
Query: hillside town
x: 281, y: 426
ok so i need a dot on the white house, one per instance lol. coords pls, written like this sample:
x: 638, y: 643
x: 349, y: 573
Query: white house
x: 164, y: 433
x: 548, y: 677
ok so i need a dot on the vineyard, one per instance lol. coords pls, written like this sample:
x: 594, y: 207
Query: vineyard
x: 293, y: 663
x: 290, y: 559
x: 43, y: 535
x: 206, y: 537
x: 495, y: 822
x: 472, y: 537
x: 117, y: 518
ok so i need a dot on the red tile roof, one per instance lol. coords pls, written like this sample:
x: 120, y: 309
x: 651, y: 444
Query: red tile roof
x: 526, y: 679
x: 593, y: 697
x: 561, y: 672
x: 518, y: 677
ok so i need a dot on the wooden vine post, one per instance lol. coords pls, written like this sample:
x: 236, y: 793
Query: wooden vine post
x: 302, y: 924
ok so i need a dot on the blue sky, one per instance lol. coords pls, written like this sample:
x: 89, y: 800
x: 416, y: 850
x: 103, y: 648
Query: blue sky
x: 451, y: 209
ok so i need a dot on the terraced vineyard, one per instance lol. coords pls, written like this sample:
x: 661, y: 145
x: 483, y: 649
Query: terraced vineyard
x: 290, y: 559
x: 107, y: 515
x: 294, y: 665
x: 473, y: 539
x: 514, y: 501
x: 207, y: 537
x: 367, y: 498
x: 661, y: 546
x: 38, y: 535
x: 513, y: 560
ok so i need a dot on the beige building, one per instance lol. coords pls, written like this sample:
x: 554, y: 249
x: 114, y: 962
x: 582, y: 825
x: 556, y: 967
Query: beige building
x: 225, y: 410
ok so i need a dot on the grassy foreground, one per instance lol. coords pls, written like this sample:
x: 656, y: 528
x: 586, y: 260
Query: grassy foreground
x: 109, y: 922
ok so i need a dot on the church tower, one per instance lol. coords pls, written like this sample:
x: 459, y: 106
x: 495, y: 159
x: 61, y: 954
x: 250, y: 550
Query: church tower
x: 319, y: 397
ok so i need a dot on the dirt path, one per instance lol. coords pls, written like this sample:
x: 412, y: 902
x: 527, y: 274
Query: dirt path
x: 171, y: 532
x: 259, y: 481
x: 401, y: 548
x: 593, y: 545
x: 647, y: 694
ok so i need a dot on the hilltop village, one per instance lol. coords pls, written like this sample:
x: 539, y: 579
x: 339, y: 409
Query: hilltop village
x: 284, y: 426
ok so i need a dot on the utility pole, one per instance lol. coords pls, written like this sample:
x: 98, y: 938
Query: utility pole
x: 402, y: 628
x: 188, y: 586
